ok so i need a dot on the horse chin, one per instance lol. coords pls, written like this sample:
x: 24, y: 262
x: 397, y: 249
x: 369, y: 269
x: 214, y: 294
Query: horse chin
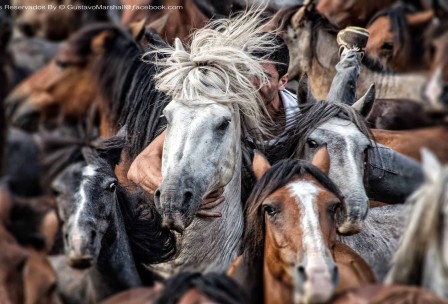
x: 175, y: 221
x: 350, y: 227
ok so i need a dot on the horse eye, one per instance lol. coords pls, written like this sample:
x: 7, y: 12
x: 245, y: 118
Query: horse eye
x: 61, y: 64
x: 387, y: 46
x: 333, y: 208
x: 223, y: 126
x: 112, y: 187
x: 311, y: 143
x: 269, y: 210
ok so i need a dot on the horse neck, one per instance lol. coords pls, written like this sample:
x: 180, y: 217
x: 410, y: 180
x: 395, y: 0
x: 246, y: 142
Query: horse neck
x: 322, y: 71
x: 116, y: 269
x: 354, y: 272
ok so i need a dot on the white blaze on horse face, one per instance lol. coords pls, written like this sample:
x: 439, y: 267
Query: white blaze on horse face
x: 87, y: 172
x: 313, y: 240
x: 196, y: 148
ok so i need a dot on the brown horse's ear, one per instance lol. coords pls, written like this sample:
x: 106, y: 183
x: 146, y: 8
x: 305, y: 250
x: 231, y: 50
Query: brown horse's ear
x: 260, y: 164
x: 322, y: 159
x: 100, y: 43
x: 137, y: 29
x: 159, y: 25
x: 49, y: 228
x: 420, y: 20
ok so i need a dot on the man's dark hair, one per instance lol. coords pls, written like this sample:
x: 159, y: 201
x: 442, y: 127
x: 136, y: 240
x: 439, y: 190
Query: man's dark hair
x: 280, y: 55
x: 217, y: 287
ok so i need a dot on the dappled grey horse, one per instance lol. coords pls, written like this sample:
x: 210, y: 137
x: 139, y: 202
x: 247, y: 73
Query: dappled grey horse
x: 104, y: 232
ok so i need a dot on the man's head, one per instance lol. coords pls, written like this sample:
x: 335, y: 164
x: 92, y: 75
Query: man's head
x: 277, y: 71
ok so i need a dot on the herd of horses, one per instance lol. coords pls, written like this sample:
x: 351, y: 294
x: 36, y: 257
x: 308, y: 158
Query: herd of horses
x: 310, y: 220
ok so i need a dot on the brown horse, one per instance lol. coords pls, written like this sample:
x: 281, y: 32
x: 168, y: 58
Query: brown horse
x: 292, y: 254
x: 351, y: 12
x: 56, y: 24
x: 178, y: 19
x: 396, y: 38
x: 410, y: 142
x: 64, y: 90
x: 27, y: 232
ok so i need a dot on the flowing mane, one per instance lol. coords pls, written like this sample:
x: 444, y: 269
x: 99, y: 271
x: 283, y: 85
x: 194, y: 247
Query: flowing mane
x: 220, y: 66
x: 424, y: 228
x: 310, y: 117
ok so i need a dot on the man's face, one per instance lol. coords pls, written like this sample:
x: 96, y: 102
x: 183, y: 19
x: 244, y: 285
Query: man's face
x: 269, y: 91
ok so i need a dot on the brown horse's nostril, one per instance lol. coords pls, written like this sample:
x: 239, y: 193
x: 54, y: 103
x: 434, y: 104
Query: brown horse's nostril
x: 302, y: 272
x: 335, y: 275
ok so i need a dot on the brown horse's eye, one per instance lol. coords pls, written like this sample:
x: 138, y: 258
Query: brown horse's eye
x: 62, y: 64
x: 387, y: 46
x: 269, y: 210
x: 333, y: 208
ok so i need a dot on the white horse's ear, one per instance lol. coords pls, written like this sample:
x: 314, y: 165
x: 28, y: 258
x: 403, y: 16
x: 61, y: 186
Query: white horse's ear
x: 322, y: 159
x: 365, y: 103
x: 431, y: 165
x: 178, y: 45
x: 260, y: 164
x: 299, y: 18
x: 304, y: 94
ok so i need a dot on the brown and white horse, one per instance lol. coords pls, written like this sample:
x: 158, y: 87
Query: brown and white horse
x: 292, y: 254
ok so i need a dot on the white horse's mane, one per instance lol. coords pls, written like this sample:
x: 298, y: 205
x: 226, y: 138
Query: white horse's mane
x: 424, y: 226
x: 220, y: 66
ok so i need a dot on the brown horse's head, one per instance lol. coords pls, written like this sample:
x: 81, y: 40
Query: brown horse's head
x: 293, y: 214
x: 396, y: 38
x: 27, y: 231
x: 65, y: 89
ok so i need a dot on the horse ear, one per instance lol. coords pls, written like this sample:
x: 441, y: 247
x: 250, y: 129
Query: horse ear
x: 178, y: 45
x: 137, y: 29
x: 49, y: 228
x: 159, y: 25
x: 101, y: 42
x: 322, y: 159
x: 431, y: 165
x: 260, y: 164
x: 365, y: 103
x: 89, y: 154
x: 304, y: 94
x: 302, y: 14
x: 110, y: 149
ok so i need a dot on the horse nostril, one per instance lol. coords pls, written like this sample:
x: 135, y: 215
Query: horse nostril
x: 335, y: 276
x: 302, y: 272
x: 26, y: 29
x: 92, y: 236
x: 157, y: 194
x: 188, y: 196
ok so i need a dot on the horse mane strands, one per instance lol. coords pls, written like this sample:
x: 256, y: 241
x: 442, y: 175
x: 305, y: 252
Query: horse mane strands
x: 221, y: 66
x: 423, y: 228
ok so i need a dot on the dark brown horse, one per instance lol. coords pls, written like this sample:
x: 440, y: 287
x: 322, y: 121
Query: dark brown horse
x: 397, y: 36
x: 295, y: 256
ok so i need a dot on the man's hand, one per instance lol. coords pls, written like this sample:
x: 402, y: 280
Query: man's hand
x: 146, y: 169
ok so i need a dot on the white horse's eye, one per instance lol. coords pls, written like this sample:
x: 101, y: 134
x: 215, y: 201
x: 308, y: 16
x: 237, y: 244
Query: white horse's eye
x: 223, y: 126
x: 312, y: 144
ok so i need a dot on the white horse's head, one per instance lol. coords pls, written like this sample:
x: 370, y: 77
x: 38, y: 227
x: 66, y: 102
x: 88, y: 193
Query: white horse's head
x: 214, y: 102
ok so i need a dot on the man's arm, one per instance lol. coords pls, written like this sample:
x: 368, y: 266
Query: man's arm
x: 146, y: 169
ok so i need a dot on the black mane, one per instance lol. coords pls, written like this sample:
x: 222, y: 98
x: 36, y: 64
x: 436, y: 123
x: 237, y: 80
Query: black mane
x: 128, y: 89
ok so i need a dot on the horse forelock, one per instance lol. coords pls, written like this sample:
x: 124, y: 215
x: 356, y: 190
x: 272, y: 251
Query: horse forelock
x: 220, y: 66
x: 310, y: 117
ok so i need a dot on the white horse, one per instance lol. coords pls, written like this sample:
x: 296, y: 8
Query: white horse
x: 214, y: 105
x: 422, y: 257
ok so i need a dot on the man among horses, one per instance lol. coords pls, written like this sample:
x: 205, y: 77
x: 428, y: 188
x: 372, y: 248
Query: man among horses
x: 280, y: 103
x: 282, y: 108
